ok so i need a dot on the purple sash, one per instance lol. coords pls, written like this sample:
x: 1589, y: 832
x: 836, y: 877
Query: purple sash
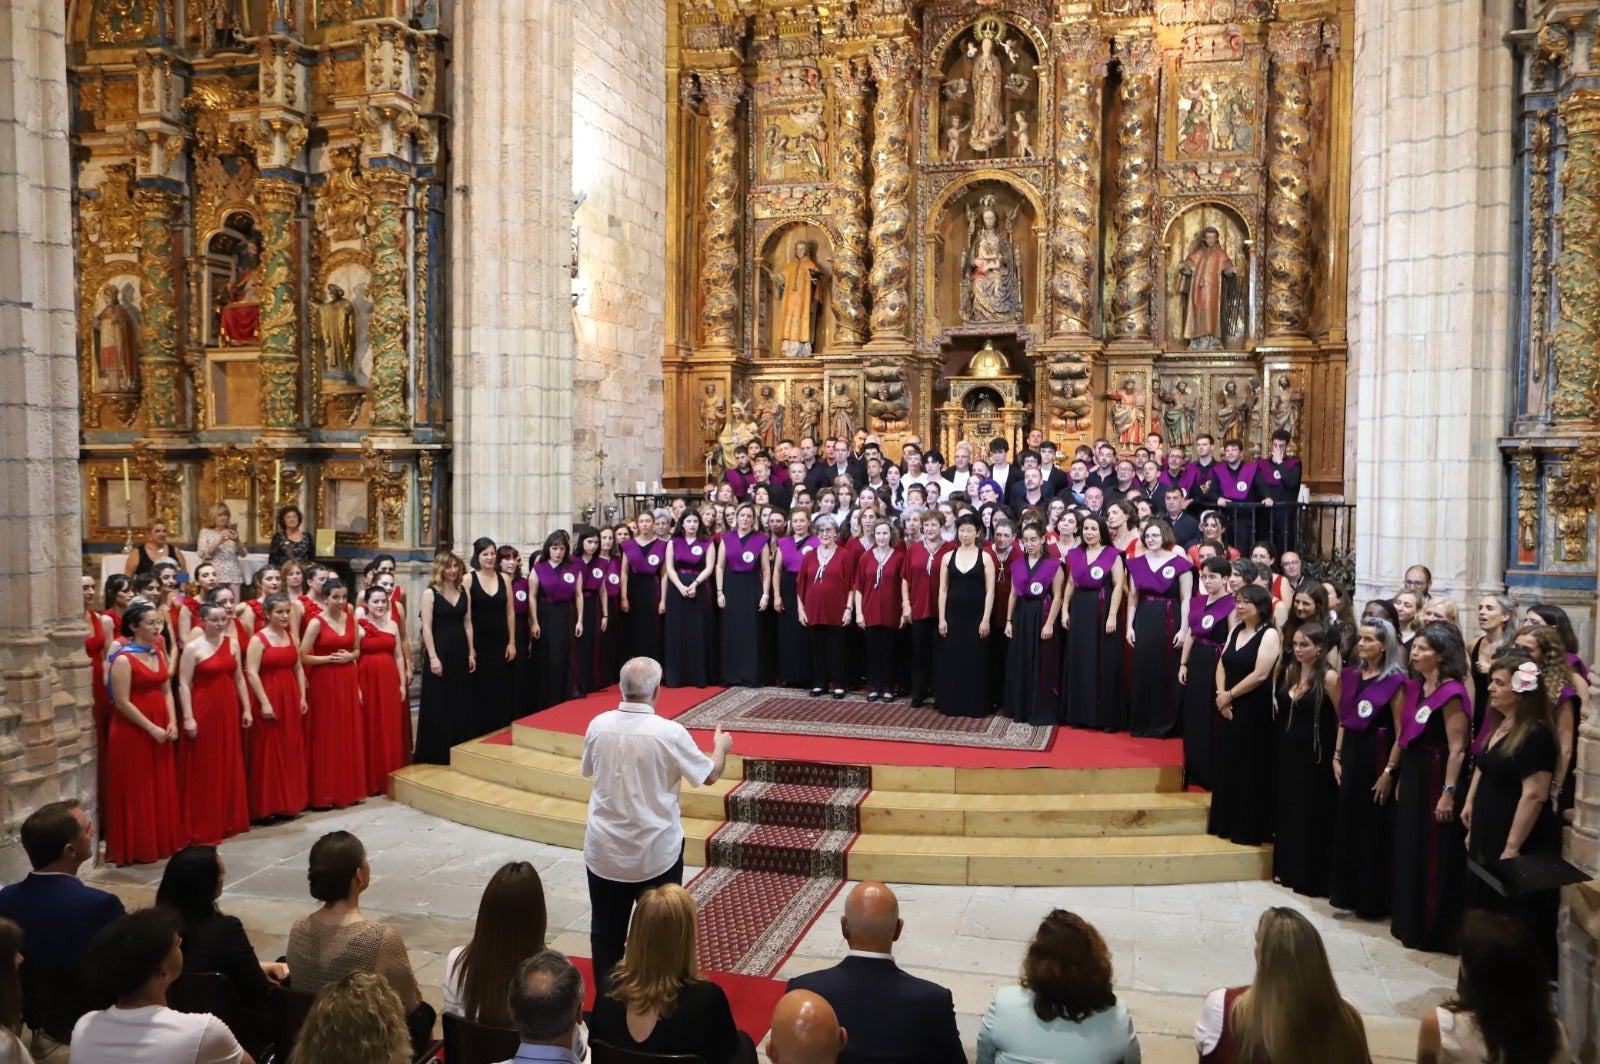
x: 646, y: 561
x: 558, y: 585
x: 613, y: 577
x: 690, y: 557
x: 1577, y: 663
x: 745, y: 556
x: 594, y: 574
x: 1235, y: 483
x: 1210, y: 623
x: 1360, y: 708
x: 1037, y: 584
x: 1158, y: 583
x: 519, y: 594
x: 1083, y: 570
x: 1414, y: 722
x: 794, y: 554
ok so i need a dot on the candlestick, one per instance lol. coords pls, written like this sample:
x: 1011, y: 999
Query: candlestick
x: 277, y: 482
x: 125, y: 478
x: 127, y: 510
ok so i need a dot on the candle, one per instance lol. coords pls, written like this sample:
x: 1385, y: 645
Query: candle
x: 127, y: 492
x: 277, y: 481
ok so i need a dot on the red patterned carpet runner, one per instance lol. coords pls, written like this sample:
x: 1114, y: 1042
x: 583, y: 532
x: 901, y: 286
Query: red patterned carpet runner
x: 774, y: 709
x: 777, y: 862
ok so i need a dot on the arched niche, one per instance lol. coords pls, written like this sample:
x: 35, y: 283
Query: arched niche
x: 989, y: 74
x: 114, y: 334
x: 950, y: 256
x: 778, y: 298
x: 231, y: 264
x: 1190, y: 267
x: 351, y: 272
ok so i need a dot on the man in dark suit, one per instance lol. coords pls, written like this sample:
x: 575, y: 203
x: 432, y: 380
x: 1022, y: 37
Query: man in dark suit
x: 892, y: 1016
x: 59, y: 915
x: 1185, y: 529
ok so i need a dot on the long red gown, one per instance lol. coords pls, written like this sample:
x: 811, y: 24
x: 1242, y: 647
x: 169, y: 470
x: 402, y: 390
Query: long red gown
x: 211, y: 765
x: 384, y: 711
x: 143, y: 821
x: 95, y: 646
x: 335, y: 744
x: 276, y: 780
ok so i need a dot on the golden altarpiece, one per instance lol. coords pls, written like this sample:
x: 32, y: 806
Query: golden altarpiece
x: 258, y: 189
x: 1139, y: 205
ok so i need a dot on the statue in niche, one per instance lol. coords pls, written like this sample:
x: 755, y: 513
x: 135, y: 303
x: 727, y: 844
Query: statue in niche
x: 990, y: 83
x: 991, y: 284
x: 1208, y: 282
x: 1181, y: 416
x: 336, y: 335
x: 1288, y: 403
x: 800, y: 301
x: 713, y: 415
x: 953, y: 129
x: 1127, y: 422
x: 1236, y: 414
x: 1023, y: 143
x: 742, y: 427
x: 241, y: 316
x: 117, y: 341
x: 808, y: 413
x: 842, y: 409
x: 769, y: 417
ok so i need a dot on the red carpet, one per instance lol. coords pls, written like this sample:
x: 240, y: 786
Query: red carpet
x: 752, y: 998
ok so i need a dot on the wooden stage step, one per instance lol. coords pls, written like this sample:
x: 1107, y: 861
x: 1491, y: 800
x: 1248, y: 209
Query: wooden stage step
x: 999, y: 827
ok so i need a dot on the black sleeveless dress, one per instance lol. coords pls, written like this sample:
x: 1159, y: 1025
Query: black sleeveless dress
x: 1308, y: 795
x: 494, y: 679
x: 961, y: 665
x: 1241, y: 799
x: 445, y: 714
x: 1363, y: 835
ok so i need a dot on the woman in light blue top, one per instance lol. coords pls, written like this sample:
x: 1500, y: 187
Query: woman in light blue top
x: 1064, y: 1010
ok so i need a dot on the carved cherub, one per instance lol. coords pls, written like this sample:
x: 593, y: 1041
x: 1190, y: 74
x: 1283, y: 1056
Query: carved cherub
x: 1024, y: 144
x: 952, y: 138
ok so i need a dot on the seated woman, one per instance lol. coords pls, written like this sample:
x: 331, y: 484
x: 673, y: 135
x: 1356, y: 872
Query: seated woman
x: 355, y: 1020
x: 215, y: 942
x: 1064, y: 1008
x: 337, y: 940
x: 656, y: 1001
x: 1501, y: 1011
x: 510, y: 929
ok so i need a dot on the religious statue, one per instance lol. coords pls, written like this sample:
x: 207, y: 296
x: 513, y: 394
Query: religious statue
x: 241, y: 316
x: 808, y: 413
x: 843, y: 409
x: 1236, y: 413
x: 887, y: 408
x: 117, y: 341
x: 1024, y: 145
x: 1181, y: 416
x: 713, y: 415
x: 799, y: 284
x: 991, y: 285
x: 953, y: 129
x: 769, y: 417
x: 336, y: 335
x: 989, y: 83
x: 1127, y: 417
x: 741, y: 427
x: 1288, y: 403
x: 1207, y: 280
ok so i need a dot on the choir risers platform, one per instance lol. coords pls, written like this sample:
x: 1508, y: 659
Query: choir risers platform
x: 920, y: 824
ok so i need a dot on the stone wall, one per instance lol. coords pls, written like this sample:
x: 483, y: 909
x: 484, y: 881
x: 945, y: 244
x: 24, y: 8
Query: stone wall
x: 619, y: 138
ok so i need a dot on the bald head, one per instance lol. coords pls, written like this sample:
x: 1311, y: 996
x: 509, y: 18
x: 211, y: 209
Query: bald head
x: 804, y: 1030
x: 871, y: 920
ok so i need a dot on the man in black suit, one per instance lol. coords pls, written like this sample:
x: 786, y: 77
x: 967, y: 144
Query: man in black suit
x: 823, y: 476
x: 59, y: 915
x: 1185, y: 528
x: 1055, y: 480
x: 892, y: 1016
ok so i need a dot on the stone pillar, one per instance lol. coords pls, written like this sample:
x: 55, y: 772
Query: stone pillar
x: 1430, y: 271
x: 280, y: 311
x: 511, y: 346
x: 1136, y: 192
x: 390, y: 313
x: 46, y: 735
x: 893, y: 63
x: 850, y: 197
x: 160, y: 370
x: 1292, y: 47
x: 1080, y: 66
x: 719, y: 261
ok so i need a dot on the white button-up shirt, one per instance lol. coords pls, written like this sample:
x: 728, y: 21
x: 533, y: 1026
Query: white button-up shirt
x: 636, y: 760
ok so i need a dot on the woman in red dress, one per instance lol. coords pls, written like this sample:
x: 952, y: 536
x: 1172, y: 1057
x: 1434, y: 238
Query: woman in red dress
x: 824, y: 592
x: 253, y: 614
x: 336, y: 747
x: 384, y: 682
x: 188, y: 619
x: 97, y: 644
x: 312, y: 601
x: 276, y: 776
x: 143, y: 821
x: 211, y: 693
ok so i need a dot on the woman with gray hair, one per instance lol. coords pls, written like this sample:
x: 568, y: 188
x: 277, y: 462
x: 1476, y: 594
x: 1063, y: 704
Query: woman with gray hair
x: 826, y: 576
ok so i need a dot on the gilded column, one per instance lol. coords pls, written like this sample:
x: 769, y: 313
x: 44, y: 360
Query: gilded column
x: 160, y: 213
x: 1136, y: 190
x: 850, y: 195
x: 1576, y: 339
x: 390, y: 317
x: 1080, y: 65
x: 892, y: 66
x: 1292, y: 48
x: 280, y: 314
x: 719, y: 269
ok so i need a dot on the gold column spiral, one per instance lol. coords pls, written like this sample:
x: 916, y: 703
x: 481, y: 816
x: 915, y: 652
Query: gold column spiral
x: 390, y: 317
x: 1292, y: 48
x: 280, y: 317
x: 1576, y: 338
x: 1081, y: 59
x: 850, y: 196
x: 719, y: 280
x: 892, y: 65
x: 1136, y: 191
x: 159, y: 368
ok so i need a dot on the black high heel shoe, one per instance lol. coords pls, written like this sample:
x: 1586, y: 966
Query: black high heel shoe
x: 816, y: 692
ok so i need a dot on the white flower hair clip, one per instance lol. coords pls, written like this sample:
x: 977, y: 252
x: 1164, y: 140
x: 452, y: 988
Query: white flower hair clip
x: 1526, y: 678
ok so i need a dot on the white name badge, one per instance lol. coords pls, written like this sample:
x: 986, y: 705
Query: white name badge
x: 1036, y: 588
x: 1241, y: 486
x: 1423, y: 714
x: 615, y: 578
x: 599, y: 574
x: 696, y: 551
x: 1208, y: 622
x: 1169, y: 572
x: 1277, y: 474
x: 522, y: 596
x: 654, y: 559
x: 1364, y: 708
x: 749, y: 556
x: 1097, y: 572
x: 808, y: 548
x: 569, y: 578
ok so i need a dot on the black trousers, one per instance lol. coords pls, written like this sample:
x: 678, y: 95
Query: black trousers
x: 830, y: 656
x: 922, y: 633
x: 881, y: 666
x: 610, y: 910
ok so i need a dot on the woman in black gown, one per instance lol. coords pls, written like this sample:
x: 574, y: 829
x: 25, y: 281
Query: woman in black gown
x: 743, y: 572
x: 1372, y: 697
x: 642, y: 559
x: 1308, y: 793
x: 523, y: 680
x: 1209, y: 613
x: 1429, y: 855
x: 1161, y: 582
x: 1091, y: 672
x: 966, y: 599
x: 445, y: 715
x: 493, y: 644
x: 1032, y: 667
x: 794, y: 649
x: 556, y: 583
x: 1568, y: 691
x: 1241, y: 797
x: 587, y: 676
x: 685, y: 605
x: 611, y: 630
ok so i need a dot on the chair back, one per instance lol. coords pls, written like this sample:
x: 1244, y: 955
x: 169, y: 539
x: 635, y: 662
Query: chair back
x: 289, y: 1010
x: 606, y: 1053
x: 466, y: 1042
x: 209, y: 992
x: 52, y: 999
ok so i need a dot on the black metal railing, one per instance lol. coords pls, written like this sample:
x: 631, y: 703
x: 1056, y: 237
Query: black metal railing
x: 1322, y: 533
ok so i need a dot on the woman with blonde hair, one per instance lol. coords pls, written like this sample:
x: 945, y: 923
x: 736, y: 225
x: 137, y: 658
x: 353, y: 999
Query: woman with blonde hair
x: 1292, y: 1012
x: 1408, y: 607
x: 655, y: 1000
x: 445, y: 713
x: 1568, y: 692
x: 220, y: 545
x: 356, y: 1020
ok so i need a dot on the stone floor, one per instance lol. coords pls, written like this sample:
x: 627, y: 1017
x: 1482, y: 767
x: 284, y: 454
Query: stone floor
x: 1170, y: 944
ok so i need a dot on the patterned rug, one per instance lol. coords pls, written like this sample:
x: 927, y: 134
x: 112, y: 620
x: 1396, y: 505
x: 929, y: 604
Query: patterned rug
x: 775, y: 709
x: 777, y: 862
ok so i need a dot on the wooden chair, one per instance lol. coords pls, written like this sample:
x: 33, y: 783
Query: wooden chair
x: 606, y: 1053
x: 466, y: 1042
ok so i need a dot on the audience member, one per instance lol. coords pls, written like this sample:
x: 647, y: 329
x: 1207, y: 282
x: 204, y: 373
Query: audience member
x: 12, y: 1051
x: 634, y: 837
x: 337, y: 940
x: 546, y: 1002
x: 805, y: 1030
x: 59, y: 916
x: 511, y: 928
x: 355, y: 1020
x: 1501, y: 1013
x: 893, y: 1015
x: 1291, y: 1013
x: 1064, y: 1008
x: 133, y: 961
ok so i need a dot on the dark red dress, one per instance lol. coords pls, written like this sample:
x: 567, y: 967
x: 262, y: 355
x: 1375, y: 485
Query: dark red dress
x: 95, y: 646
x: 336, y: 748
x: 211, y: 765
x: 142, y: 818
x: 276, y: 779
x: 384, y: 711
